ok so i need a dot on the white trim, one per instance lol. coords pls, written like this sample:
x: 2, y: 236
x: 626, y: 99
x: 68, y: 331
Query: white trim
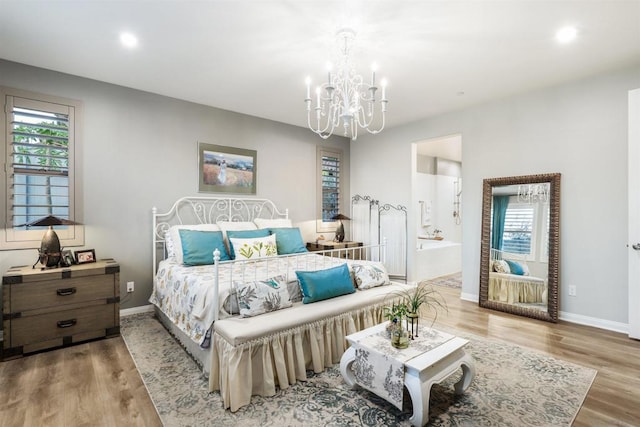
x: 469, y: 297
x: 634, y: 214
x: 595, y: 322
x: 136, y: 310
x: 572, y: 318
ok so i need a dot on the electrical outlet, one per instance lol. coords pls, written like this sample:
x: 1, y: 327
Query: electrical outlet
x: 130, y: 286
x: 572, y: 290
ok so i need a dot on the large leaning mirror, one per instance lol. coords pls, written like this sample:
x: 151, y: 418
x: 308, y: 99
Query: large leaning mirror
x: 520, y: 247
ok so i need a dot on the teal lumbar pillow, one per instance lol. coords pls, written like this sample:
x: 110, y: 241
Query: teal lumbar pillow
x: 198, y: 246
x: 324, y: 284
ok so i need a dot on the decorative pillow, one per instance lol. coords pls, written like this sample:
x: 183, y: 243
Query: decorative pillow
x: 244, y: 234
x: 324, y: 284
x: 295, y: 294
x: 262, y: 296
x: 198, y: 246
x: 370, y: 275
x: 501, y: 266
x: 173, y: 242
x: 516, y: 267
x: 288, y: 240
x: 273, y: 223
x: 256, y: 247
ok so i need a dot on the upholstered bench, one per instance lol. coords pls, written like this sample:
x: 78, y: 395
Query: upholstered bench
x: 250, y: 356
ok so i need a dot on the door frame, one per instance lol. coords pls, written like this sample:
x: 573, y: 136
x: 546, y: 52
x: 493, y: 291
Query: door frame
x: 634, y: 213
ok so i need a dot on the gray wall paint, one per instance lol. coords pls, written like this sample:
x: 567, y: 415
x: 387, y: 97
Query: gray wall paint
x: 578, y: 129
x: 140, y: 151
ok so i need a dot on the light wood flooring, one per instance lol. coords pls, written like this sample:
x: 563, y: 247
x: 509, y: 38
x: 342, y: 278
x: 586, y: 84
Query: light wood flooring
x: 96, y: 384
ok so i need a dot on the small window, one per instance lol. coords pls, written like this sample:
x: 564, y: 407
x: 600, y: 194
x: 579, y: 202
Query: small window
x: 329, y: 187
x: 40, y: 140
x: 518, y: 228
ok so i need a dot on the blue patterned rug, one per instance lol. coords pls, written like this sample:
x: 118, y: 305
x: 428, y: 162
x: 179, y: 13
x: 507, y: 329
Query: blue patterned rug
x: 513, y: 387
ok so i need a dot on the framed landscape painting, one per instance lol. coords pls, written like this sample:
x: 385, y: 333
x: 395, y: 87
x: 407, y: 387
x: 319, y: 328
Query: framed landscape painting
x: 226, y: 169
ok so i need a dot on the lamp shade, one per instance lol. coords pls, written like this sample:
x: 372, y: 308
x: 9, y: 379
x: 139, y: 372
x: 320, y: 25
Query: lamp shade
x: 340, y: 217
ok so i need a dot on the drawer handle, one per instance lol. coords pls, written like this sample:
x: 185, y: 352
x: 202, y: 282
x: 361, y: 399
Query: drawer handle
x: 67, y: 323
x: 66, y: 291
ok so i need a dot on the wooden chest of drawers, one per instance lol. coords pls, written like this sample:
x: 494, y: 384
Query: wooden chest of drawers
x: 44, y: 309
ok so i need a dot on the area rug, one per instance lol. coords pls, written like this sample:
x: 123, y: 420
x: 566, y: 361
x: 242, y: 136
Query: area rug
x: 451, y: 281
x: 513, y: 387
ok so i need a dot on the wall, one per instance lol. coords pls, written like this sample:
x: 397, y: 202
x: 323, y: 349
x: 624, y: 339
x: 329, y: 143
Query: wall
x: 578, y: 129
x: 140, y: 151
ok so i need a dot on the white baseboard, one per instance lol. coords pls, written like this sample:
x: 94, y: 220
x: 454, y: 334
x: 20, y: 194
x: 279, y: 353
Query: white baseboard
x: 136, y: 310
x: 595, y: 322
x: 572, y: 318
x: 469, y: 297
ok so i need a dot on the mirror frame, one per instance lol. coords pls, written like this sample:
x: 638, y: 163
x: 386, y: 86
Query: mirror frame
x: 551, y: 315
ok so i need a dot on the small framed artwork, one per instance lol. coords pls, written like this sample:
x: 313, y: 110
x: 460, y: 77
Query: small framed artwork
x: 86, y: 256
x: 67, y: 258
x: 226, y: 169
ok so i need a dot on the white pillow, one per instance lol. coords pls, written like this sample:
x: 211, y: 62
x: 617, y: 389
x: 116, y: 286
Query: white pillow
x: 273, y: 223
x: 262, y: 296
x: 370, y: 275
x: 254, y: 247
x: 173, y: 242
x: 235, y: 226
x: 501, y: 266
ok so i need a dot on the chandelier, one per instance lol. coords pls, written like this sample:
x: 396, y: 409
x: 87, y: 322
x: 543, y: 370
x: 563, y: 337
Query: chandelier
x: 346, y: 99
x: 533, y: 193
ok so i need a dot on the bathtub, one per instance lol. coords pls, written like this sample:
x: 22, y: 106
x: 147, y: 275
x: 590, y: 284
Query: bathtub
x: 435, y: 258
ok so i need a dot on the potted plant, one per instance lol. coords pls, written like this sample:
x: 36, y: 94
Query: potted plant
x: 399, y: 336
x: 422, y: 296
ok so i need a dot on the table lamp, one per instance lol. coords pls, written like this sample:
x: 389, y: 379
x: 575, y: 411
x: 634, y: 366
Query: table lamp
x: 50, y: 253
x: 340, y: 230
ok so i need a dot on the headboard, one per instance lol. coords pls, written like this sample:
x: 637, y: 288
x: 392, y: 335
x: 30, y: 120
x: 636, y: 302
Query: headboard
x: 208, y: 210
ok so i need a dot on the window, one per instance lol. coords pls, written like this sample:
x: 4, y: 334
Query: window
x: 518, y: 225
x: 41, y: 144
x: 329, y: 187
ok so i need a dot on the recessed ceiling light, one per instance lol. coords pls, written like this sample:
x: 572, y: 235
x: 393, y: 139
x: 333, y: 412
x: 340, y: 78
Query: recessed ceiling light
x: 128, y: 40
x: 566, y: 34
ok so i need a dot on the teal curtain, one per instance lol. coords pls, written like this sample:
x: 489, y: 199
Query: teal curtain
x: 500, y: 204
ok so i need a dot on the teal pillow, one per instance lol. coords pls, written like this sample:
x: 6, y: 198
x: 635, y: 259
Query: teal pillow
x: 324, y: 284
x: 515, y: 267
x: 243, y: 234
x: 198, y: 246
x: 288, y: 240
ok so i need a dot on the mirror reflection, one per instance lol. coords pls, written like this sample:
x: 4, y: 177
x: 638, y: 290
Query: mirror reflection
x: 519, y: 266
x: 519, y: 258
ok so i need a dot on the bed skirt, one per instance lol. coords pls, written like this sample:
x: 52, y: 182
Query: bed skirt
x: 257, y: 367
x: 516, y: 291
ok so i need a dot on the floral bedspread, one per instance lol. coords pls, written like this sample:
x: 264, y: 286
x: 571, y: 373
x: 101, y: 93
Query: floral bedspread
x: 185, y: 294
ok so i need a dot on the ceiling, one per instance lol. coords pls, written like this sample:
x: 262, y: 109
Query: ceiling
x: 253, y: 56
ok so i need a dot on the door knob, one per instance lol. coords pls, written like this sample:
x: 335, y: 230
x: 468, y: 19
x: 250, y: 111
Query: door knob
x: 636, y: 246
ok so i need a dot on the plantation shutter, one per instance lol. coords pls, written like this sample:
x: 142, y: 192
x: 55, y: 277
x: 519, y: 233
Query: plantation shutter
x: 517, y: 228
x: 39, y: 144
x: 330, y: 186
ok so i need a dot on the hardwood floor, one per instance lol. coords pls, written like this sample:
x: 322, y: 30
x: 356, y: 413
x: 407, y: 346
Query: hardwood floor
x: 97, y: 384
x: 91, y: 384
x: 614, y: 397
